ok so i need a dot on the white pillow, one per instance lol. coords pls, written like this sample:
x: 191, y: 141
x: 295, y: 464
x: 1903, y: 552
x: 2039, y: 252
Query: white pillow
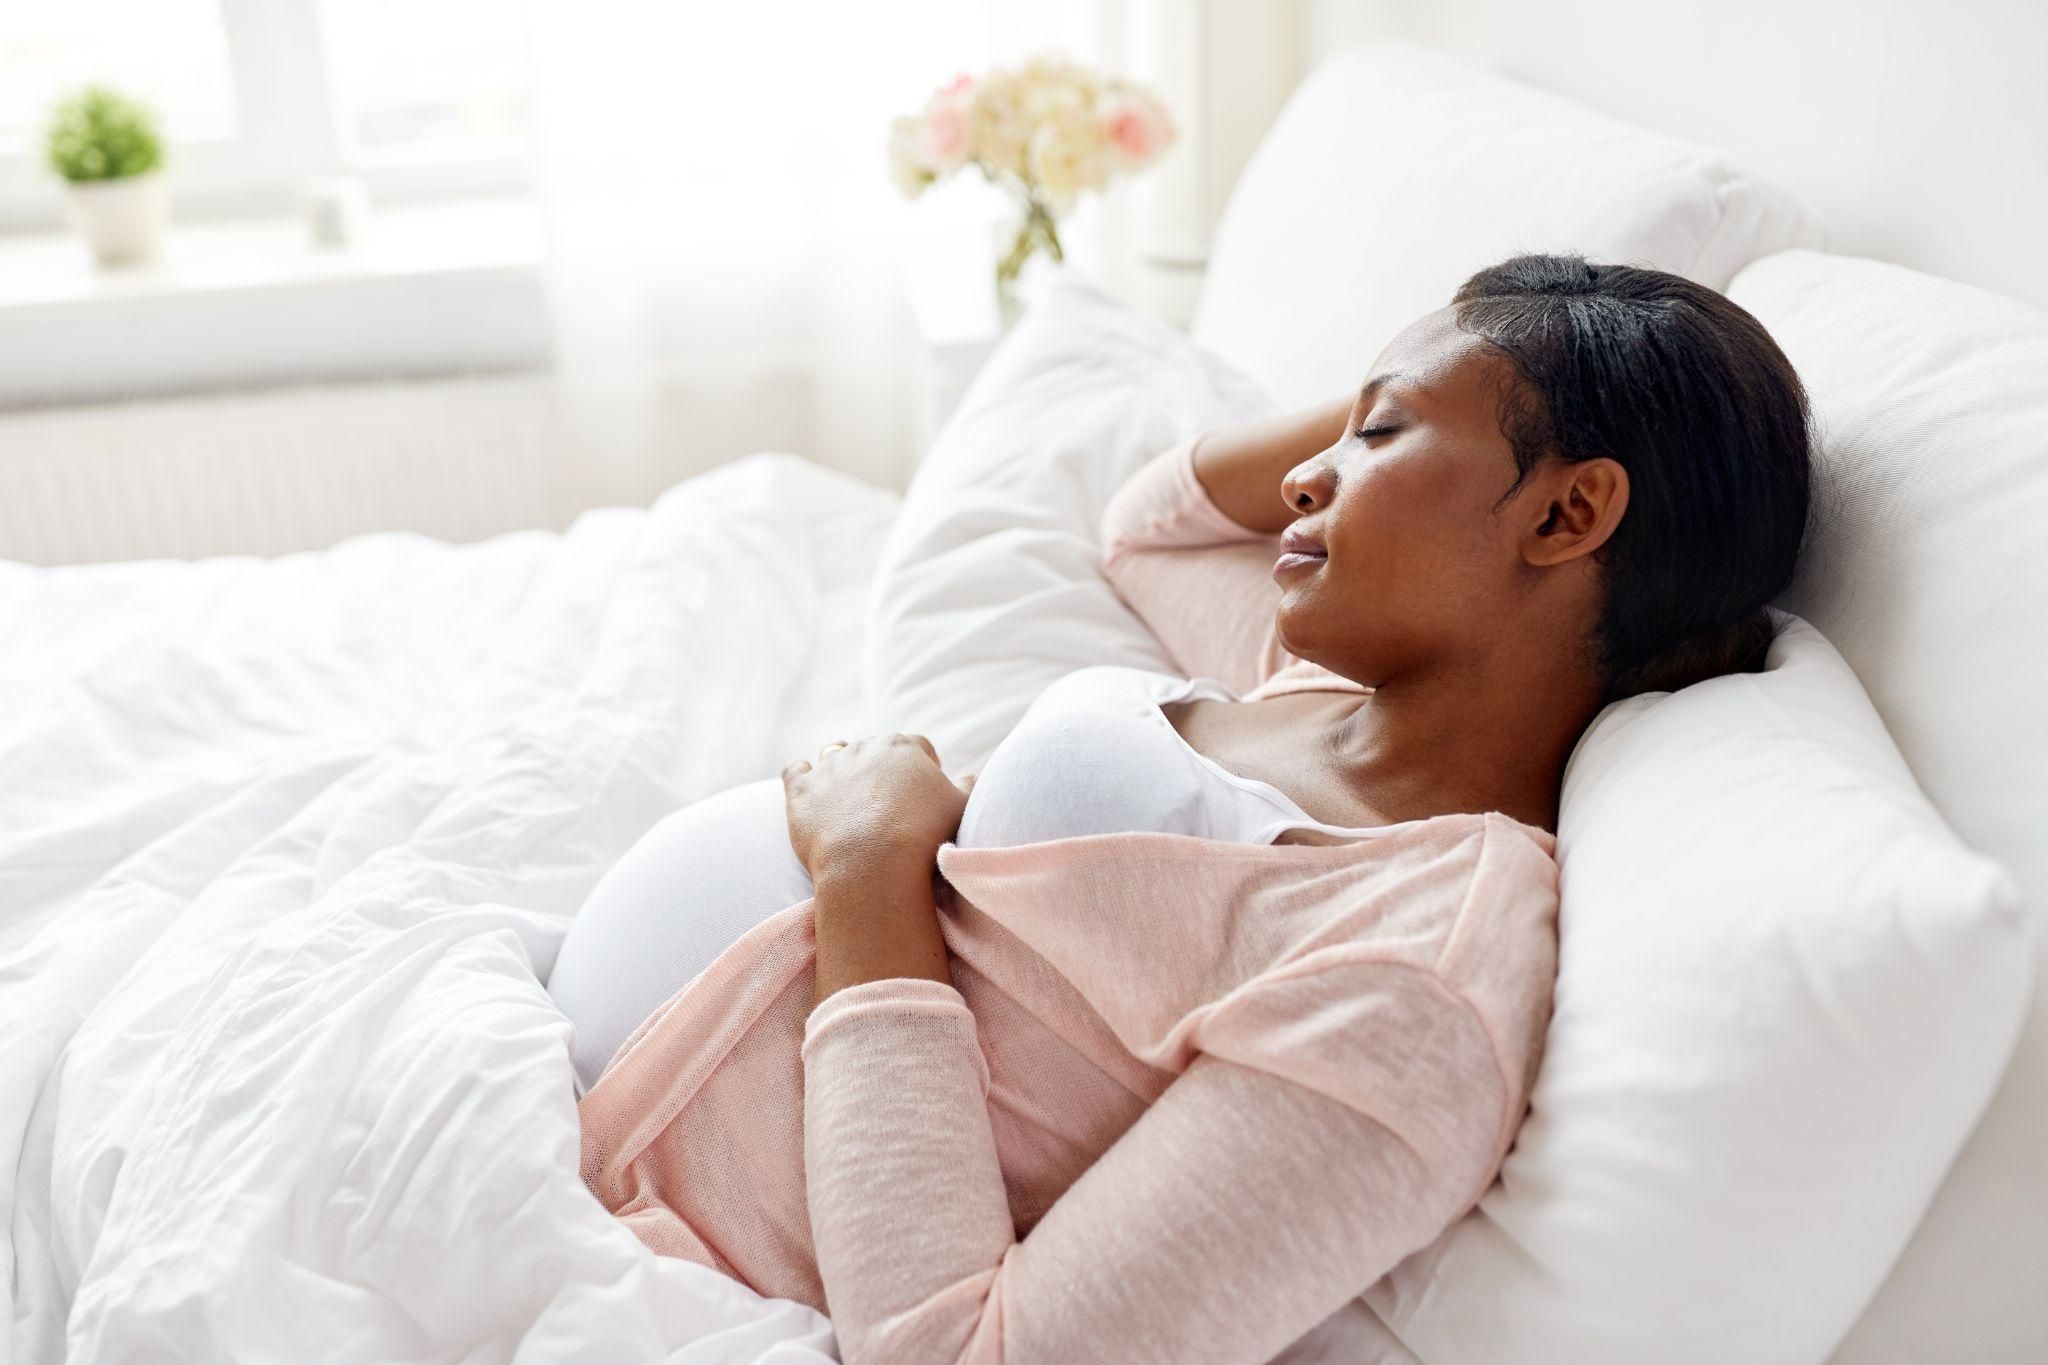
x: 990, y: 585
x: 1931, y: 573
x: 1785, y: 990
x: 1394, y: 172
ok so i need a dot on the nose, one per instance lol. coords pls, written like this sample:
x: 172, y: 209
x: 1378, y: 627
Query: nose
x: 1309, y: 486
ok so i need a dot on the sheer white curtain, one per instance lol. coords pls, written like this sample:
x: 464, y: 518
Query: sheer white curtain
x: 724, y: 243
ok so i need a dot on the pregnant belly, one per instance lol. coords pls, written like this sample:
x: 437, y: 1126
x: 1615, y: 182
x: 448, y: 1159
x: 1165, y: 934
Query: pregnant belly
x: 690, y: 887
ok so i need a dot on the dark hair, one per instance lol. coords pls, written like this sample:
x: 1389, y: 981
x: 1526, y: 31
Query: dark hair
x: 1688, y: 393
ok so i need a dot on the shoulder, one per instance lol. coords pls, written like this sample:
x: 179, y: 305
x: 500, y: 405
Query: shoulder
x: 1500, y: 956
x: 1417, y: 991
x: 1511, y: 894
x: 1469, y: 902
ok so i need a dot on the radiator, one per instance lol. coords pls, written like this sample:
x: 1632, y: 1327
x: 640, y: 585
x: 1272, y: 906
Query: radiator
x: 274, y: 472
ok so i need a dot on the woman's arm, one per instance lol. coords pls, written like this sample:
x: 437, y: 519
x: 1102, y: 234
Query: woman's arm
x: 874, y: 921
x: 1239, y: 1212
x: 1240, y: 467
x: 1180, y: 548
x: 866, y: 820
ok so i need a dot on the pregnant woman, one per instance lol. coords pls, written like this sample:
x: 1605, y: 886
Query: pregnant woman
x: 1227, y: 994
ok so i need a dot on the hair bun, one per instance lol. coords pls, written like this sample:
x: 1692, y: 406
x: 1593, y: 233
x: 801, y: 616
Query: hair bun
x: 1737, y: 647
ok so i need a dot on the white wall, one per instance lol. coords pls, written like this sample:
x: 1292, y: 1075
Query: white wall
x: 1918, y: 127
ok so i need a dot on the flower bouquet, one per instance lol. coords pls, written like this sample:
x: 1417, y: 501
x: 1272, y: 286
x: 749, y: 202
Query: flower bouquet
x: 1044, y: 131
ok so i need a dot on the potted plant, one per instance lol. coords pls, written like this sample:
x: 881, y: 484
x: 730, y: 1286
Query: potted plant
x: 107, y: 148
x: 1044, y: 131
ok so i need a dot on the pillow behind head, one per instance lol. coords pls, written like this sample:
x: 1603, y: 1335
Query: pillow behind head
x: 989, y: 586
x: 1395, y: 171
x: 1785, y: 991
x: 1929, y: 568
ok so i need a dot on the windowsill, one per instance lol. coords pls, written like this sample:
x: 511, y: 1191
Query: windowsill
x: 430, y: 289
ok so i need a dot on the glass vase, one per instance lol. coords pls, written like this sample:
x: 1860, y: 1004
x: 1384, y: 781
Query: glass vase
x: 1037, y: 230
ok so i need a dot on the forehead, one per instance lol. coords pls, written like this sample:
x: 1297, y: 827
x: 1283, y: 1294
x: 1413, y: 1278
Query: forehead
x: 1446, y: 373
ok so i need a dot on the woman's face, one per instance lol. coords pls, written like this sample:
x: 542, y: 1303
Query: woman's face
x: 1419, y: 565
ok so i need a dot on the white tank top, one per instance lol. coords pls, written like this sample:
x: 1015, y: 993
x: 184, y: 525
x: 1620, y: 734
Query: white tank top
x: 1094, y: 754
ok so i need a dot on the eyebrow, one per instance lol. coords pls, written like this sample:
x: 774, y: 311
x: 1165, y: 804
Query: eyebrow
x: 1373, y: 386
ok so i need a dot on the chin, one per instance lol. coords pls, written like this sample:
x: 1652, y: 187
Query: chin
x: 1281, y: 633
x: 1298, y: 637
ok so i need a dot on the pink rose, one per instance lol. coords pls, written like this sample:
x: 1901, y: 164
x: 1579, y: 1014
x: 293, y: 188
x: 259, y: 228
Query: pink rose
x: 1138, y: 129
x: 948, y: 138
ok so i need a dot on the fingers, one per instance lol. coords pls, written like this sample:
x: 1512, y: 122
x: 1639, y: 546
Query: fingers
x: 796, y: 767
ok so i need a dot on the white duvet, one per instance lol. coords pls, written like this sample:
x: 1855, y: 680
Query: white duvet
x: 286, y: 851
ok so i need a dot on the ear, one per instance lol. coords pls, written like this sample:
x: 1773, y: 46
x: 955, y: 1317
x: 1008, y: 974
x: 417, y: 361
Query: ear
x: 1577, y: 506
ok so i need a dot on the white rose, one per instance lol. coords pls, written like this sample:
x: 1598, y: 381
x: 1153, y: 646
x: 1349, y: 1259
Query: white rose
x: 1068, y: 152
x: 1001, y: 129
x: 1052, y: 71
x: 906, y: 165
x: 1050, y: 84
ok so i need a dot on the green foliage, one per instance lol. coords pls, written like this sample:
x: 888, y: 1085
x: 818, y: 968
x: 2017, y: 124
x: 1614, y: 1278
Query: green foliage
x: 101, y: 134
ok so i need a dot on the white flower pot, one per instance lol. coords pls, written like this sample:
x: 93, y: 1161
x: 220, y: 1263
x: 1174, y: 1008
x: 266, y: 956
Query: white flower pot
x: 124, y: 220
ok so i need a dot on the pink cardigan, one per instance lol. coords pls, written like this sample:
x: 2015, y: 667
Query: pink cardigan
x: 1185, y: 1099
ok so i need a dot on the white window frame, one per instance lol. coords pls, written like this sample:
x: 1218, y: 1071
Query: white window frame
x: 287, y: 131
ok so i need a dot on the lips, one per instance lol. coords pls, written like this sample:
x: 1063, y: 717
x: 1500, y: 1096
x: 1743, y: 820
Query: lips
x: 1298, y: 551
x: 1295, y: 542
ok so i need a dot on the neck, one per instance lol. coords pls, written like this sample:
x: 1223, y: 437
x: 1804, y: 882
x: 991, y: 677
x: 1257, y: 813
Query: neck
x: 1490, y: 736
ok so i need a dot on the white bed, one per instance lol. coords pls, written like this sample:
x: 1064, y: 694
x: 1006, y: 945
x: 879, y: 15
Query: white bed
x: 286, y: 848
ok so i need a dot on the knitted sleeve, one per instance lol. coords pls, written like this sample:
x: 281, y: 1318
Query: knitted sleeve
x: 1239, y: 1212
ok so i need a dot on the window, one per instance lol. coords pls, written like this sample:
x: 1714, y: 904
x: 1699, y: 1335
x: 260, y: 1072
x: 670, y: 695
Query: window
x: 417, y: 82
x: 422, y: 98
x: 173, y: 54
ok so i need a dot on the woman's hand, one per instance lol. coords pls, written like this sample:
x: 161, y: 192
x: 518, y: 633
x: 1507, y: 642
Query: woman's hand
x: 879, y: 802
x: 866, y: 820
x: 1240, y: 467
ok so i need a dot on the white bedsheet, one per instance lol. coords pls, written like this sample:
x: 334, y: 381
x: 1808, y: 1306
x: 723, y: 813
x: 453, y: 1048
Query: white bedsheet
x: 286, y: 850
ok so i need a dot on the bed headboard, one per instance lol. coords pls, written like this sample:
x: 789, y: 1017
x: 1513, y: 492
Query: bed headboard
x: 1918, y: 128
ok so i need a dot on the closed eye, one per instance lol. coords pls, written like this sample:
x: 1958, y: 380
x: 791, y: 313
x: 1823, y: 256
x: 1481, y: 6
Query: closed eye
x: 1369, y: 432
